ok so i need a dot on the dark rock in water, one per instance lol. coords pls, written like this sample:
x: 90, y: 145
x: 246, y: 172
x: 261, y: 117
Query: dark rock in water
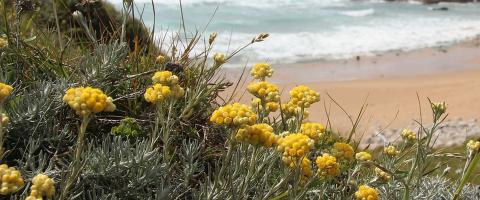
x: 438, y: 1
x: 441, y: 9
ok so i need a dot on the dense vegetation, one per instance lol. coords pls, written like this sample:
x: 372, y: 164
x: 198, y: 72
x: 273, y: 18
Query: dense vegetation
x: 92, y: 108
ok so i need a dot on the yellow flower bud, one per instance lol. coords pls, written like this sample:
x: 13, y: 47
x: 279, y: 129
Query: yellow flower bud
x: 363, y: 156
x: 160, y: 59
x: 219, y: 58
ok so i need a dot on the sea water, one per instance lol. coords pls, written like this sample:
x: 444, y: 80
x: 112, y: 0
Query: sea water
x: 305, y: 30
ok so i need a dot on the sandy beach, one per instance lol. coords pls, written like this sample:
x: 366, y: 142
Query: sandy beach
x: 388, y: 84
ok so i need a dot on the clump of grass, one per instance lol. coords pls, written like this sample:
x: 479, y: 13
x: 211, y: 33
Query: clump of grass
x: 168, y: 134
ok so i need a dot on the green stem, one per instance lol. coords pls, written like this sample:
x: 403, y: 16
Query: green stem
x: 467, y: 176
x: 166, y: 133
x: 406, y: 193
x: 158, y: 118
x: 2, y: 136
x: 76, y: 165
x: 251, y: 169
x: 228, y: 156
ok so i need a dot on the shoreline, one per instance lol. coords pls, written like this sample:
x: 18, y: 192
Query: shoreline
x: 389, y: 84
x: 394, y: 63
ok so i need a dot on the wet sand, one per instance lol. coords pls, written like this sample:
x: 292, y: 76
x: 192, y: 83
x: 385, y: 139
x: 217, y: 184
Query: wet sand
x: 388, y: 84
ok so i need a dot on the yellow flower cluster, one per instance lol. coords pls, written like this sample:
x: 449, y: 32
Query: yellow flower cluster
x: 42, y: 185
x: 165, y: 78
x: 5, y: 119
x: 234, y: 115
x: 5, y: 91
x: 327, y: 165
x: 3, y: 43
x: 408, y: 135
x: 165, y: 86
x: 11, y: 180
x: 473, y: 145
x: 261, y: 71
x: 342, y: 150
x: 158, y: 92
x: 257, y: 134
x: 295, y: 145
x: 366, y: 192
x: 291, y: 110
x: 313, y: 130
x: 305, y: 166
x: 382, y: 174
x: 264, y: 90
x: 271, y: 106
x: 87, y: 100
x: 302, y: 96
x: 363, y: 156
x: 390, y: 150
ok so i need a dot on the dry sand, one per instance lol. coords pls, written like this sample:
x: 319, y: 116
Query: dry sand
x: 388, y: 84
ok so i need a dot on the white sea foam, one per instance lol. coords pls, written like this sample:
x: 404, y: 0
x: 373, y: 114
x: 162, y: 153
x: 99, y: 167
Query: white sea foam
x: 245, y: 3
x: 351, y: 41
x: 341, y: 29
x: 358, y: 13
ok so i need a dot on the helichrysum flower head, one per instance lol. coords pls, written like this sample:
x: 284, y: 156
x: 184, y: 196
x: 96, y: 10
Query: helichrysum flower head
x: 219, y: 58
x: 327, y: 165
x: 165, y: 86
x: 270, y: 106
x: 305, y: 166
x: 11, y: 180
x: 385, y: 176
x: 160, y: 59
x: 290, y: 110
x: 5, y: 91
x: 3, y: 43
x: 313, y: 130
x: 158, y: 93
x: 363, y: 156
x: 409, y: 135
x: 264, y: 90
x: 303, y: 96
x: 86, y: 101
x: 366, y: 193
x: 390, y: 150
x: 295, y: 145
x: 42, y: 186
x: 257, y: 134
x: 473, y: 145
x: 5, y: 119
x: 234, y: 115
x: 261, y: 71
x: 166, y: 78
x: 343, y: 150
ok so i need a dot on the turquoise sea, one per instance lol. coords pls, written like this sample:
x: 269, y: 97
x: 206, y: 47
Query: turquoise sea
x: 303, y: 30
